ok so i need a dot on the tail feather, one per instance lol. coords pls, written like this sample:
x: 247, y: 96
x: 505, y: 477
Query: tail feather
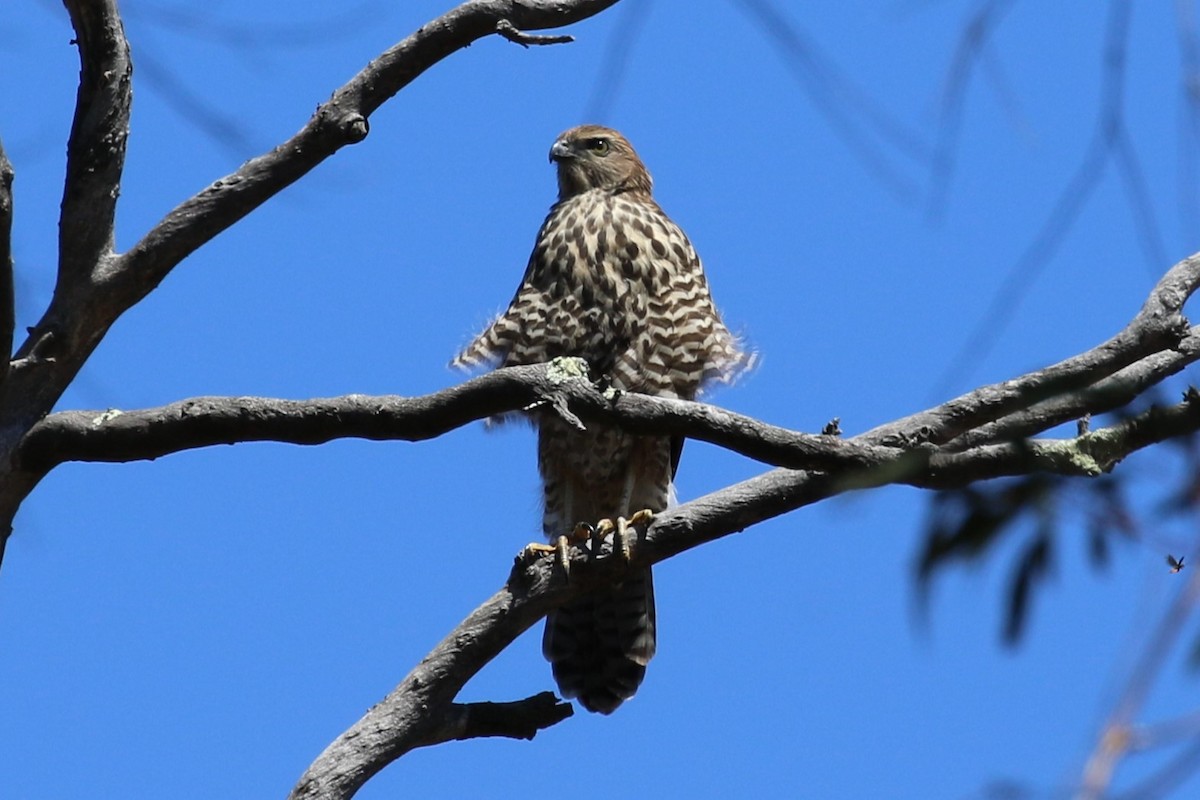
x: 600, y: 644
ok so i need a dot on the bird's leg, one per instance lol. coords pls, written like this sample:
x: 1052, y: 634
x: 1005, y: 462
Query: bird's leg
x: 561, y: 548
x: 560, y: 545
x: 622, y: 541
x: 535, y: 549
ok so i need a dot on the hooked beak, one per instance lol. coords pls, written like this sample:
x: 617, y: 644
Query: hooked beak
x: 561, y: 150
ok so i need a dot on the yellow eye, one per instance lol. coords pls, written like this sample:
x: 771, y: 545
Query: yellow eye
x: 598, y: 146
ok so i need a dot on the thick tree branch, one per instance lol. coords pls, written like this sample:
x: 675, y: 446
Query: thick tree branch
x: 1088, y: 455
x: 7, y: 298
x: 1110, y: 394
x: 70, y: 328
x: 203, y: 421
x: 408, y: 717
x: 1159, y: 325
x: 96, y: 149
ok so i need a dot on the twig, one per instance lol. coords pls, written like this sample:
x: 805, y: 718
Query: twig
x: 520, y: 719
x: 614, y: 64
x: 1106, y: 395
x: 972, y: 44
x: 510, y: 32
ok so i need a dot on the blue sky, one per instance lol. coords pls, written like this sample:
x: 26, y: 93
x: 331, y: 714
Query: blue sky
x: 203, y: 625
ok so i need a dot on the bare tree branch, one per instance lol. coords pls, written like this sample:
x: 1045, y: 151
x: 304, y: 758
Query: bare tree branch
x: 1106, y: 395
x: 1109, y: 140
x: 204, y: 421
x: 147, y: 434
x: 1090, y: 453
x: 519, y: 719
x: 510, y: 32
x: 407, y: 717
x: 96, y: 149
x: 70, y: 327
x: 1159, y: 325
x: 96, y: 286
x: 339, y: 122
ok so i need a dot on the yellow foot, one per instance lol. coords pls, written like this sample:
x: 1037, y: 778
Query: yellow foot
x: 532, y: 552
x: 534, y: 549
x: 622, y: 540
x: 562, y: 555
x: 561, y: 550
x: 581, y: 533
x: 642, y: 518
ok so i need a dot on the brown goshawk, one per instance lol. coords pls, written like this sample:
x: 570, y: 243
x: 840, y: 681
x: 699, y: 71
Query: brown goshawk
x: 614, y: 281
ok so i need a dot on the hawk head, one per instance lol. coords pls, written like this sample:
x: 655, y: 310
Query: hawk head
x: 595, y: 157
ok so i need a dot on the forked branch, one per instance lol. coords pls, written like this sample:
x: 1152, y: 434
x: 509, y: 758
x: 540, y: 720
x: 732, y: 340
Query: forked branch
x: 405, y: 718
x: 96, y: 285
x: 413, y: 714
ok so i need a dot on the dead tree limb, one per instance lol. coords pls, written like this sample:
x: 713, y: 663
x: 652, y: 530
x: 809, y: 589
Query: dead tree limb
x: 415, y: 711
